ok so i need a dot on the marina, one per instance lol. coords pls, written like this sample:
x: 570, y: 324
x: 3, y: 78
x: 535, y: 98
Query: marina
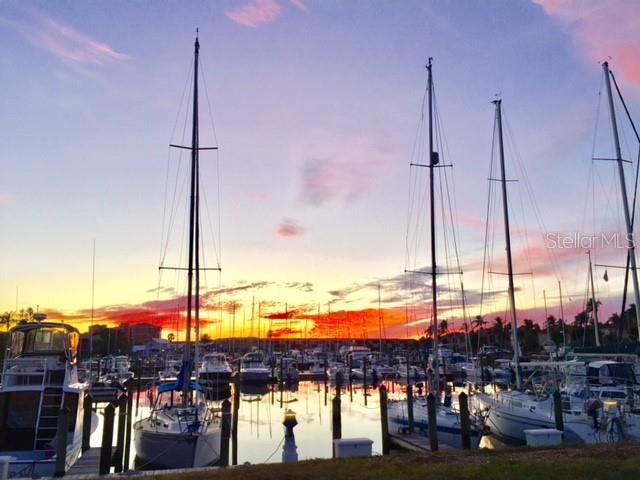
x: 395, y: 241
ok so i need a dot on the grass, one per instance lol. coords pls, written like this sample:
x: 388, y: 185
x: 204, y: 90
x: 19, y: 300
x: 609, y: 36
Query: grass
x: 564, y: 463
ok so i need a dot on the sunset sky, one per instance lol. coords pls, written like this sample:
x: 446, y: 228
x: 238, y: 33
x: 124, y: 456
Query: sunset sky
x: 316, y: 105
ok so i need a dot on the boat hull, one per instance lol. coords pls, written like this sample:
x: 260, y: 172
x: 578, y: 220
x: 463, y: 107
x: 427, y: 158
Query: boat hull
x: 176, y: 450
x: 448, y: 426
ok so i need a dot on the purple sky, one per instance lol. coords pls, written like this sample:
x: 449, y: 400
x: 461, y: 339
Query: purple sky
x: 316, y: 105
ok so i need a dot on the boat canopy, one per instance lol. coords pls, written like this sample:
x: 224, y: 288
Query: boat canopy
x: 43, y: 338
x: 173, y: 386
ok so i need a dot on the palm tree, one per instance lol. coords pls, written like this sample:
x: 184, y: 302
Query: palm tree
x: 478, y: 322
x: 498, y: 326
x: 444, y: 326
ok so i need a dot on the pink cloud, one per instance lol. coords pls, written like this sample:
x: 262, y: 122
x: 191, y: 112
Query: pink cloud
x: 289, y: 228
x: 256, y: 13
x: 299, y: 4
x: 601, y: 29
x: 346, y: 173
x: 6, y: 199
x: 62, y: 41
x: 259, y: 196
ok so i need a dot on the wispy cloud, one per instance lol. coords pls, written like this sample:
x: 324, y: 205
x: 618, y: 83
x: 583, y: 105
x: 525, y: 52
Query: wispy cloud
x: 256, y: 13
x: 6, y: 199
x: 346, y: 174
x: 299, y: 4
x: 61, y: 40
x: 289, y: 228
x: 602, y: 28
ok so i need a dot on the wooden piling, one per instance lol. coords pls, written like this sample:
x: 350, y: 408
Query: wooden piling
x: 557, y: 410
x: 226, y: 433
x: 336, y: 412
x: 364, y: 385
x: 350, y: 363
x: 433, y: 426
x: 107, y: 440
x: 87, y: 405
x: 234, y: 430
x: 465, y: 421
x: 127, y: 442
x: 61, y: 442
x: 384, y: 423
x: 410, y: 407
x: 122, y: 419
x: 138, y: 388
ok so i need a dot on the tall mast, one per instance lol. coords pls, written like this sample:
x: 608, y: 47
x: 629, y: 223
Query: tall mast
x: 594, y: 302
x: 623, y: 191
x: 433, y: 161
x: 379, y: 323
x: 564, y: 338
x: 507, y: 232
x: 193, y: 231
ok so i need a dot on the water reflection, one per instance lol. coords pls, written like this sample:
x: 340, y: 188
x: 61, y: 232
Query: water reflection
x: 261, y: 411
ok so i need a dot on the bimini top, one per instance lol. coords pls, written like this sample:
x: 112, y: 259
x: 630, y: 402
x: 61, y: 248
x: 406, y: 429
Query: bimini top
x: 177, y: 385
x: 33, y: 325
x: 43, y: 338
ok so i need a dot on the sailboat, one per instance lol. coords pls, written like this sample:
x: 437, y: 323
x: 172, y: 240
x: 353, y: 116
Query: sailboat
x: 511, y: 412
x: 448, y: 419
x: 181, y: 431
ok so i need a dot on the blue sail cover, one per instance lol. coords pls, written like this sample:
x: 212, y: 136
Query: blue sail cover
x: 185, y: 373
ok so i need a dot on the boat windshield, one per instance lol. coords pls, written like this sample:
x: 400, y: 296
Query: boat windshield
x: 40, y: 341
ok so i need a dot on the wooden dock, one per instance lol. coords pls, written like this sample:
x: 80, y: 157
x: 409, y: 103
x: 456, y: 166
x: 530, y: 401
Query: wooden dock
x: 414, y: 442
x: 87, y: 464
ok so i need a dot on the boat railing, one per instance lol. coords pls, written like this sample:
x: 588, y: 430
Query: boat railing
x: 20, y: 371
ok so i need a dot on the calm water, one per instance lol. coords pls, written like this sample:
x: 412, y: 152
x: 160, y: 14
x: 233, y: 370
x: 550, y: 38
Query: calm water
x: 260, y: 417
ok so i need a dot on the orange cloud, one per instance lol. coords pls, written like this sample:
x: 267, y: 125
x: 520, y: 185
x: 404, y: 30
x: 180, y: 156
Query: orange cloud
x: 601, y: 29
x: 256, y: 13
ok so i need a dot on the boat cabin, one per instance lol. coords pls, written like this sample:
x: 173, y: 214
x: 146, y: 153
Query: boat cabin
x: 610, y: 373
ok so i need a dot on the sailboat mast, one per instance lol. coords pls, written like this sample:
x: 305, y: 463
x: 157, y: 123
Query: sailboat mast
x: 564, y: 338
x: 192, y: 230
x: 623, y: 191
x: 507, y: 232
x: 594, y: 302
x: 433, y: 161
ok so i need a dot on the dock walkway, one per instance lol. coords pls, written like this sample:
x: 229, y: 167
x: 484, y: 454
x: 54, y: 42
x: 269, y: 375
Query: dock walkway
x: 414, y: 442
x: 87, y: 464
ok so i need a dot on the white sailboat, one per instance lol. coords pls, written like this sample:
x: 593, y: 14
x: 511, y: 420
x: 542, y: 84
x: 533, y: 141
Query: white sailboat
x: 511, y: 412
x: 181, y: 431
x: 448, y: 419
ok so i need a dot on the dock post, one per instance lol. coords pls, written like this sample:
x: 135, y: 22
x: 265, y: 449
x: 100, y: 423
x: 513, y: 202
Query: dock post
x: 107, y: 440
x: 336, y: 413
x: 465, y: 422
x: 122, y: 418
x: 410, y: 407
x: 433, y: 426
x: 127, y: 442
x: 384, y: 423
x: 87, y: 404
x: 364, y: 374
x: 138, y: 388
x: 234, y: 430
x: 61, y: 442
x: 226, y: 433
x: 557, y: 410
x: 350, y: 363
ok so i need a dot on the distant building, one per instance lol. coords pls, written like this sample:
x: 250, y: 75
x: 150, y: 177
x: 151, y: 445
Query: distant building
x: 139, y: 334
